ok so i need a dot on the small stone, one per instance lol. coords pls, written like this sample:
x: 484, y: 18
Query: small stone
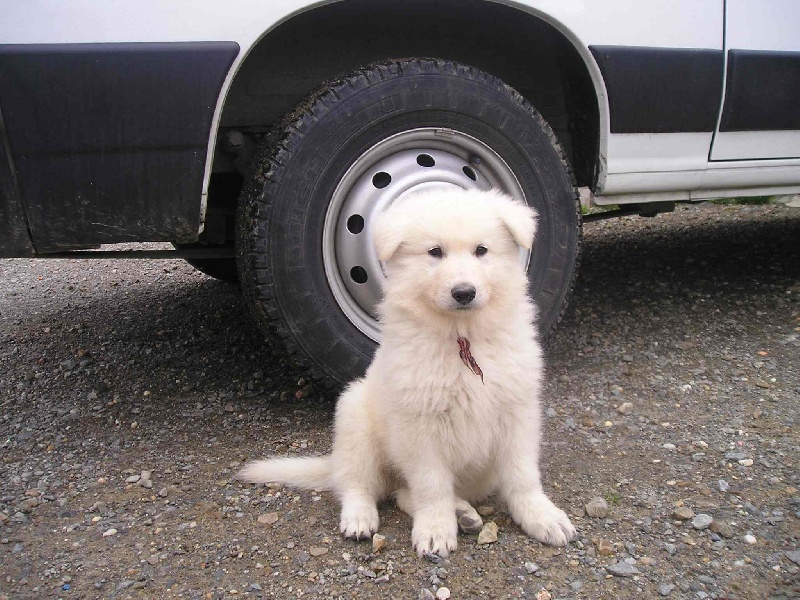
x: 434, y: 558
x: 750, y: 539
x: 625, y: 408
x: 682, y: 513
x: 162, y: 493
x: 721, y: 528
x: 153, y: 560
x: 132, y: 479
x: 485, y: 511
x: 735, y: 456
x: 442, y: 593
x: 723, y: 485
x: 425, y: 594
x: 378, y: 542
x: 109, y: 532
x: 531, y: 567
x: 317, y: 550
x: 604, y: 547
x: 488, y: 534
x: 623, y: 569
x: 669, y: 446
x: 670, y: 548
x: 28, y: 504
x: 702, y: 521
x: 268, y: 518
x: 665, y: 589
x: 597, y: 508
x: 746, y: 462
x: 794, y: 556
x: 543, y: 594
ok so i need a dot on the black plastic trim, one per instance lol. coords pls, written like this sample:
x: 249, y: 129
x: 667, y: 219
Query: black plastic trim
x: 109, y: 141
x: 661, y: 90
x: 14, y: 235
x: 762, y: 92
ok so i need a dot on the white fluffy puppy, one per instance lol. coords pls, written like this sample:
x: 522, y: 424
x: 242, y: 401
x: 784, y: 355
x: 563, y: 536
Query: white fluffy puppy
x: 448, y: 411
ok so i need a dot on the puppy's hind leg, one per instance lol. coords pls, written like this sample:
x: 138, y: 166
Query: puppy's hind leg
x: 469, y: 521
x: 357, y: 464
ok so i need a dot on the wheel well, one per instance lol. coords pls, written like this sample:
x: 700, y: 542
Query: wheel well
x: 299, y: 55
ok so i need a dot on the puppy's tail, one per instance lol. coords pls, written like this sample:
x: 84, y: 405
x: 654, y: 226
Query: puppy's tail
x: 311, y: 473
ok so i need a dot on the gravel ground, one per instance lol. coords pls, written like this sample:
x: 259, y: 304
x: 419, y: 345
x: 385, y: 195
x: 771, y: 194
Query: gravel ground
x: 131, y: 391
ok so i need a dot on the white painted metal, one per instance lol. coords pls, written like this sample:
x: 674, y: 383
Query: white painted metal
x: 676, y: 24
x: 696, y: 195
x: 656, y: 152
x: 763, y: 24
x: 736, y: 145
x: 717, y: 176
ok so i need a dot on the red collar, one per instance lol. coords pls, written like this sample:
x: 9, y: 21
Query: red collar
x: 467, y: 358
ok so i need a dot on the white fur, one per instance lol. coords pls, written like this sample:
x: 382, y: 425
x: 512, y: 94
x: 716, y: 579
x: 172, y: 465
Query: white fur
x: 420, y: 424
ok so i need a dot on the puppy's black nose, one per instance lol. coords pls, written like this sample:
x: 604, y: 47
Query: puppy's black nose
x: 463, y: 293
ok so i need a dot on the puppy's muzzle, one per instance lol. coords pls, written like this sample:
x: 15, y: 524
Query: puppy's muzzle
x: 463, y: 293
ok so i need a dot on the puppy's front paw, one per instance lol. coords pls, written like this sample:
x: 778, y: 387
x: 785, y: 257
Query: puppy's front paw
x: 435, y: 536
x: 359, y: 520
x: 542, y: 520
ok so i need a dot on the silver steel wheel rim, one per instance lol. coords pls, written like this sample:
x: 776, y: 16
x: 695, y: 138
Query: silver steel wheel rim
x: 404, y: 163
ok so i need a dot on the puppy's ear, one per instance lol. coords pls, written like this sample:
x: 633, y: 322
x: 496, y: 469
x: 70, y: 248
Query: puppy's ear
x: 387, y: 235
x: 520, y: 220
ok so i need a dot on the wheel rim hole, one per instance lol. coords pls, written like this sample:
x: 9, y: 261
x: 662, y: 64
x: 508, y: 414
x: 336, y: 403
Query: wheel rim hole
x: 359, y: 275
x: 470, y: 172
x: 355, y: 224
x: 381, y: 180
x: 425, y: 160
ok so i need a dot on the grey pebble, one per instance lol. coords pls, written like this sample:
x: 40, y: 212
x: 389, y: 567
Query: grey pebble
x: 623, y: 569
x: 665, y: 589
x: 597, y: 508
x: 735, y: 456
x: 794, y: 556
x: 702, y: 521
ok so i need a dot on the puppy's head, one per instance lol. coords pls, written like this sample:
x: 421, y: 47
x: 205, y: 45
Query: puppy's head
x: 454, y: 252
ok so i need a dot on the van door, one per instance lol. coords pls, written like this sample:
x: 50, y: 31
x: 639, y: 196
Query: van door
x: 760, y: 117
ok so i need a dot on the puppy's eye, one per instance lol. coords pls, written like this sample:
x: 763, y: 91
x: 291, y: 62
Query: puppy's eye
x: 481, y: 250
x: 436, y: 252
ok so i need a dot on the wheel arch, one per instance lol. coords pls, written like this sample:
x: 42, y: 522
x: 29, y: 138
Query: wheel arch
x: 525, y: 47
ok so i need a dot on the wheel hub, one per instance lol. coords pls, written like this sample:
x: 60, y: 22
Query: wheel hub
x: 402, y: 164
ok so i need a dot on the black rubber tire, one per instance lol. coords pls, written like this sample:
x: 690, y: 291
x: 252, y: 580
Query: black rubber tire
x: 283, y: 205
